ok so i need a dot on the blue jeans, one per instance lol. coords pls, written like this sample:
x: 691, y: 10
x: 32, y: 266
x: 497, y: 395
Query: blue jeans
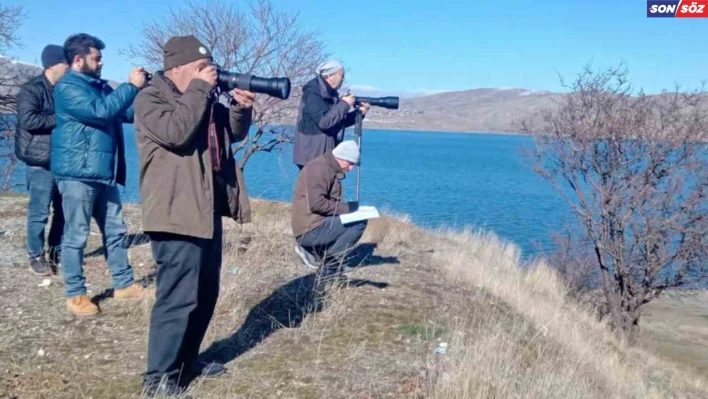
x: 43, y: 192
x: 81, y: 201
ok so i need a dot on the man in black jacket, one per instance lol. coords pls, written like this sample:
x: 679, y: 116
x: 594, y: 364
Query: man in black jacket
x: 35, y: 114
x: 323, y: 115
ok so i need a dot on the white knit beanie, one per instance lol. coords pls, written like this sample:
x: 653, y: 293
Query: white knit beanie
x: 328, y: 67
x: 348, y: 151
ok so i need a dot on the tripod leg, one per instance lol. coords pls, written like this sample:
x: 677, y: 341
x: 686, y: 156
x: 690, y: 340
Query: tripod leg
x: 358, y: 130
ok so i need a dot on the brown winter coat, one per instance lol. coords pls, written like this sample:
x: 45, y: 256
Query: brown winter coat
x: 318, y: 194
x: 176, y: 179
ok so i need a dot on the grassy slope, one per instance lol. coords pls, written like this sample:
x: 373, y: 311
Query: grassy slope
x: 511, y: 333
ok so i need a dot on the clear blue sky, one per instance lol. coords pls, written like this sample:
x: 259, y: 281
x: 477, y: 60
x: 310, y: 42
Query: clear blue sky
x: 420, y: 45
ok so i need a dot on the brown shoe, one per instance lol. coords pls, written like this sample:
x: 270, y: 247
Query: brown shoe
x: 134, y: 291
x: 81, y: 306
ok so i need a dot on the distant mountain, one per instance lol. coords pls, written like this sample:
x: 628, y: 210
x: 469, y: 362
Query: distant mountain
x: 477, y: 110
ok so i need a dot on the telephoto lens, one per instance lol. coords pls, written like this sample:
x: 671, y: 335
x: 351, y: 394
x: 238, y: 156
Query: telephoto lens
x: 383, y: 102
x: 274, y: 87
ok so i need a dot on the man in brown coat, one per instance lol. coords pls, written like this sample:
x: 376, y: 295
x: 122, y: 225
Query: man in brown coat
x: 317, y: 204
x: 188, y: 181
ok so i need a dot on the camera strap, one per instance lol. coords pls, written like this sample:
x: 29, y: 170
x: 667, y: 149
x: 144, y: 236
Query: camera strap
x: 214, y: 150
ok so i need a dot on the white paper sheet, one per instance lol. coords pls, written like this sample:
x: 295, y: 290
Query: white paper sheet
x: 363, y: 213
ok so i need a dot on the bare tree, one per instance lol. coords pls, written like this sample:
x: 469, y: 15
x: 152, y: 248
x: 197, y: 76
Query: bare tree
x: 634, y: 170
x: 258, y: 40
x: 11, y: 77
x: 10, y: 20
x: 574, y: 263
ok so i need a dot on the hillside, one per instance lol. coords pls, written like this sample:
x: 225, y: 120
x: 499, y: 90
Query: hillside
x: 478, y: 110
x: 511, y: 331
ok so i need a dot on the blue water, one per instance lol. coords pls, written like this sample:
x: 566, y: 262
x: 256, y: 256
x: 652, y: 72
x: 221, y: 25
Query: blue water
x: 439, y: 179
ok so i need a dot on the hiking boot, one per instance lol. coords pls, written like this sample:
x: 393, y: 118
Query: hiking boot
x: 207, y: 370
x: 165, y: 388
x: 40, y: 267
x: 306, y: 257
x: 81, y: 306
x: 134, y: 291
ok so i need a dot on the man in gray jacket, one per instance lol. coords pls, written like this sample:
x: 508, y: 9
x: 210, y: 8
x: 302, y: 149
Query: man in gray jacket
x: 323, y: 115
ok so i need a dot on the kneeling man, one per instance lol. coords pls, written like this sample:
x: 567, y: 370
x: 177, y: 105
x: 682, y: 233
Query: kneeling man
x: 324, y: 242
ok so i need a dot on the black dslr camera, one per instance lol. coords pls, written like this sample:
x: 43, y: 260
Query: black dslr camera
x: 383, y: 102
x: 274, y: 87
x: 227, y: 81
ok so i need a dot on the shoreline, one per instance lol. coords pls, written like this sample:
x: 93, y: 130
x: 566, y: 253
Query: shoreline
x: 418, y: 130
x: 379, y: 126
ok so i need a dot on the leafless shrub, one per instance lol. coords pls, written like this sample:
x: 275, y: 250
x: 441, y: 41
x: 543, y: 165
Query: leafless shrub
x: 11, y: 77
x: 632, y: 167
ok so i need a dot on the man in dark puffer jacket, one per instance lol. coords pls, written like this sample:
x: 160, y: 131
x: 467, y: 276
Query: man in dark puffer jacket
x: 323, y: 115
x: 35, y: 117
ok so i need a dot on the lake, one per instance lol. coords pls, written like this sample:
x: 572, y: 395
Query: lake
x: 438, y: 179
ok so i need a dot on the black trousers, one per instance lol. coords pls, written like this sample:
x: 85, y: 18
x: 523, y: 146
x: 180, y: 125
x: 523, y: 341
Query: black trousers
x: 188, y: 271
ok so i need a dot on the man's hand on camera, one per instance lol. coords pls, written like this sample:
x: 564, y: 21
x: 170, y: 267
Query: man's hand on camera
x: 349, y: 99
x: 364, y: 108
x: 207, y: 74
x: 244, y: 98
x: 137, y: 77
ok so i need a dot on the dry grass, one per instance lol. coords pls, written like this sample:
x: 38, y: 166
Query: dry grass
x: 548, y: 348
x: 511, y: 329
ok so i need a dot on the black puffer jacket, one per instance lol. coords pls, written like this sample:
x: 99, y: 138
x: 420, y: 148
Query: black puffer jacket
x: 35, y: 117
